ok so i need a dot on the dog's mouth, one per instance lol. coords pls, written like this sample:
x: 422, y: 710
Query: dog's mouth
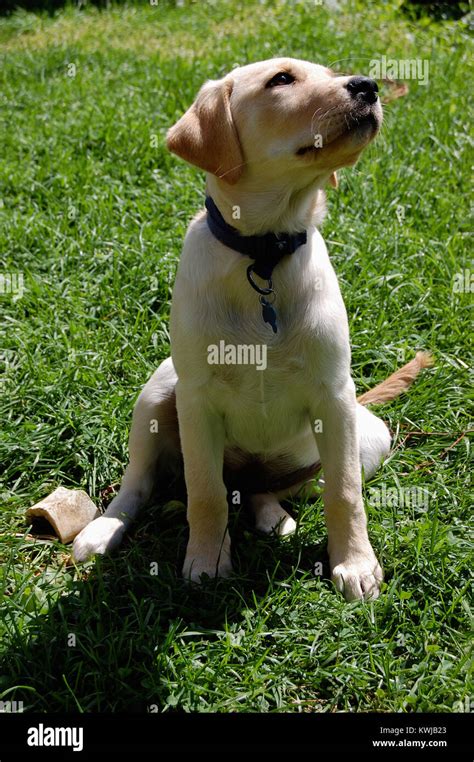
x: 367, y: 125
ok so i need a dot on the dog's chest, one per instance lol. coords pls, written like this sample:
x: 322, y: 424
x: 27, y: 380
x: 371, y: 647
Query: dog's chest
x: 263, y: 383
x: 261, y: 391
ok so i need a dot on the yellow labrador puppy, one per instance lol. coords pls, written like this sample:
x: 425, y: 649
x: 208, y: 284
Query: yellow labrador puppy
x: 258, y: 390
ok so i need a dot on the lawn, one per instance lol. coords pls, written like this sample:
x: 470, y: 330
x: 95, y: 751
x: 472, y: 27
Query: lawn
x: 93, y: 211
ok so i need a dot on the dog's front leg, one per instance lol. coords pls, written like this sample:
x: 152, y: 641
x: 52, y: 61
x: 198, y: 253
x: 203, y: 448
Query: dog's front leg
x: 202, y: 442
x: 354, y: 567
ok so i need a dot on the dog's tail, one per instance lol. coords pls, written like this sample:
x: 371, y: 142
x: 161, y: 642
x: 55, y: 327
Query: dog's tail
x: 398, y: 382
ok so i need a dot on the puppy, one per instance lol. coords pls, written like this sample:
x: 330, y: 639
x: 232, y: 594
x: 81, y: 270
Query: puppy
x: 255, y: 283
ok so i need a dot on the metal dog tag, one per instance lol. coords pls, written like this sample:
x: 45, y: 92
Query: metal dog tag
x: 268, y: 313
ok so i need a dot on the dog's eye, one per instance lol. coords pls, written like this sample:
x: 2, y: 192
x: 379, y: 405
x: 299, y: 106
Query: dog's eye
x: 282, y: 78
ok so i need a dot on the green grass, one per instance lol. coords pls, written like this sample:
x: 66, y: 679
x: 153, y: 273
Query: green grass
x: 92, y: 213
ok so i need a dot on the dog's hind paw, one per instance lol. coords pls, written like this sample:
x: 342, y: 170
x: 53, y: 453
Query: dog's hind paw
x: 270, y: 517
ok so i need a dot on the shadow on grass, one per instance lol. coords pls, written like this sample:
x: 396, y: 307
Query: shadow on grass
x: 108, y: 642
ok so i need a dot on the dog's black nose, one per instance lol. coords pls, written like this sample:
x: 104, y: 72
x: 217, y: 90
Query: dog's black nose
x: 364, y: 88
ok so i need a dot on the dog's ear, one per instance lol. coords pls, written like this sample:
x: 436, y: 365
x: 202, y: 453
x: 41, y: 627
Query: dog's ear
x: 333, y: 181
x: 206, y: 135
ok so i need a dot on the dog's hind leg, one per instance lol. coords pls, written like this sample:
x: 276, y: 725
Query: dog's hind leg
x: 270, y: 516
x: 374, y: 441
x: 154, y: 438
x: 374, y: 447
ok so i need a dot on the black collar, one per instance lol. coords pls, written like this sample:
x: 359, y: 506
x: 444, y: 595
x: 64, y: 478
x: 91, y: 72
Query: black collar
x: 267, y: 250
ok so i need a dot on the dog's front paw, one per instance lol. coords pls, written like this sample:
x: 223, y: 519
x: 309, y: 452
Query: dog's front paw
x: 213, y: 562
x: 358, y: 577
x: 98, y: 537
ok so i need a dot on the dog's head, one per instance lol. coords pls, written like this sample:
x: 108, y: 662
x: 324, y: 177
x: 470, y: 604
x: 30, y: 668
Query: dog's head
x: 278, y: 118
